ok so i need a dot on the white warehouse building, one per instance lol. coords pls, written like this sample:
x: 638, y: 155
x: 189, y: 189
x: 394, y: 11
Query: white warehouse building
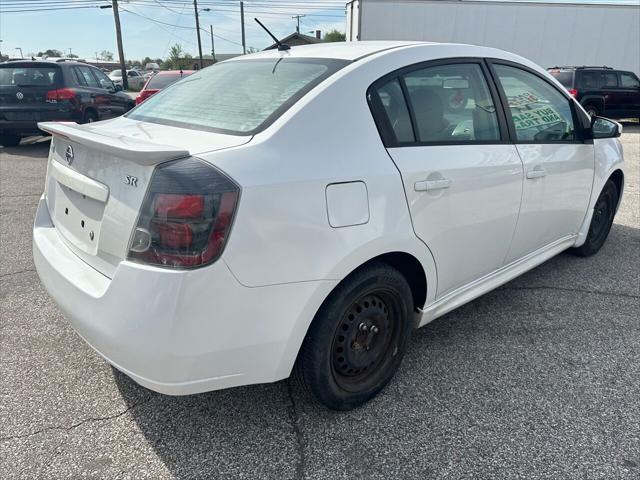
x: 549, y: 33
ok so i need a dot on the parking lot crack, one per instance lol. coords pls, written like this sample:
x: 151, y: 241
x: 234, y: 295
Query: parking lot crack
x: 295, y: 423
x: 79, y: 424
x: 3, y: 275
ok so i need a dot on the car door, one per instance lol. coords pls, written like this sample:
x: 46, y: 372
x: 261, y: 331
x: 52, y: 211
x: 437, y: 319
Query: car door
x: 462, y: 178
x: 118, y: 103
x: 614, y: 97
x: 558, y: 163
x: 99, y: 97
x: 630, y: 94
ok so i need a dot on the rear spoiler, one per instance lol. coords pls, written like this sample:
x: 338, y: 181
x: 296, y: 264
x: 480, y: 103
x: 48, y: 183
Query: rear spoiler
x: 130, y: 148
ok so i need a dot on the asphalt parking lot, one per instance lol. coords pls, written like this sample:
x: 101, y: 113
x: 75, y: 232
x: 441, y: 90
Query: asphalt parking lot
x: 539, y: 379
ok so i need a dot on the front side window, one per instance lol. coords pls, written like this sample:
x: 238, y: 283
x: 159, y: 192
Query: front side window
x: 628, y: 80
x: 87, y: 78
x: 539, y: 112
x: 590, y: 79
x: 238, y: 97
x: 452, y: 103
x: 105, y: 82
x: 609, y: 79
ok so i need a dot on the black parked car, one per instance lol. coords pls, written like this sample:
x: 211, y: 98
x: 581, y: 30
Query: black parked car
x: 37, y: 91
x: 602, y: 90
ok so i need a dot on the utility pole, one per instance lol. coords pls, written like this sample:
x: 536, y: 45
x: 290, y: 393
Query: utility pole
x: 123, y: 66
x: 244, y: 44
x: 213, y: 47
x: 70, y: 53
x: 297, y: 17
x: 195, y: 7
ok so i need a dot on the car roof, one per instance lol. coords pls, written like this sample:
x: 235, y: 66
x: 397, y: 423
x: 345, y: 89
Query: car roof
x: 48, y: 63
x: 334, y: 50
x: 356, y: 50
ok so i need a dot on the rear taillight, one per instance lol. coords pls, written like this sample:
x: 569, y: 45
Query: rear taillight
x: 573, y: 92
x: 54, y: 96
x: 186, y: 215
x: 144, y: 94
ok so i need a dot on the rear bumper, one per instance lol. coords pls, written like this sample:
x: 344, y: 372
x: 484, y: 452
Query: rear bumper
x: 26, y: 127
x: 178, y: 332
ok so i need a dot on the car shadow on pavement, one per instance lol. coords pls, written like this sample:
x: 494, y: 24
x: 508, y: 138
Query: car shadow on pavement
x: 540, y: 351
x: 32, y: 147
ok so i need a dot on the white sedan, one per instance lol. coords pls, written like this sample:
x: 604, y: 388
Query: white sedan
x: 307, y: 209
x: 135, y: 79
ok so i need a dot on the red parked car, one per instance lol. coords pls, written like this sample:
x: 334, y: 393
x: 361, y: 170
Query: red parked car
x: 159, y: 81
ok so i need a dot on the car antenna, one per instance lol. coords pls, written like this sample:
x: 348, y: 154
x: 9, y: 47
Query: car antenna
x: 281, y: 46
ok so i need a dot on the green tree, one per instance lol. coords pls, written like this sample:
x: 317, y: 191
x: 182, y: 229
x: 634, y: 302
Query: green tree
x: 335, y: 36
x: 106, y: 55
x: 178, y: 59
x: 52, y: 52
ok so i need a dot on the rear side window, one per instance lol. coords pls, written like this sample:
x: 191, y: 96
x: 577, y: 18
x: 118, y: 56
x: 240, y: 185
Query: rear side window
x: 395, y: 108
x: 46, y: 76
x: 160, y: 81
x: 564, y: 77
x: 629, y: 80
x: 539, y: 112
x: 239, y: 97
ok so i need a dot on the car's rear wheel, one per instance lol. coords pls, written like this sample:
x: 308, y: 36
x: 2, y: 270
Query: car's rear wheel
x: 10, y: 139
x: 601, y: 221
x: 90, y: 117
x: 592, y: 110
x: 357, y: 340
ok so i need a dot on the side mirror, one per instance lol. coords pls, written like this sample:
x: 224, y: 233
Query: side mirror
x: 118, y: 87
x: 604, y: 128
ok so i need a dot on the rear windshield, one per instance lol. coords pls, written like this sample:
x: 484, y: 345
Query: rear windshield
x: 162, y: 80
x: 239, y: 97
x: 565, y: 78
x: 45, y: 76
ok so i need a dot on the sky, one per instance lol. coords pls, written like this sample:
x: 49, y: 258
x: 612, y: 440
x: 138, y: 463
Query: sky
x: 151, y: 27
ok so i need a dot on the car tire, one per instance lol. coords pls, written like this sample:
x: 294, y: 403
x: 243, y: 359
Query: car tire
x: 592, y: 110
x: 89, y: 117
x: 10, y: 139
x: 601, y: 221
x: 358, y: 337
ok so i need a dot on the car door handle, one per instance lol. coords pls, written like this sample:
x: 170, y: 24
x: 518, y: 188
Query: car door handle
x: 536, y: 173
x: 427, y: 185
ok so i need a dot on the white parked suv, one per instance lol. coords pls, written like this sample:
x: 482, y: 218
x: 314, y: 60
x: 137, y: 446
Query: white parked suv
x: 307, y: 209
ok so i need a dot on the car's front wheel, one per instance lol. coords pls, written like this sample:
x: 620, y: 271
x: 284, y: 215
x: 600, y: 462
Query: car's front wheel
x: 358, y: 337
x: 603, y: 212
x: 10, y: 139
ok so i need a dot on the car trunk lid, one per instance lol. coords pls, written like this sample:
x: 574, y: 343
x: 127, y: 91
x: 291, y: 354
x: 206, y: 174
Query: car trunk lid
x: 98, y: 175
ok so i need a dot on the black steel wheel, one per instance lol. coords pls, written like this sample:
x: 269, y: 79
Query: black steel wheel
x: 357, y: 340
x: 603, y: 212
